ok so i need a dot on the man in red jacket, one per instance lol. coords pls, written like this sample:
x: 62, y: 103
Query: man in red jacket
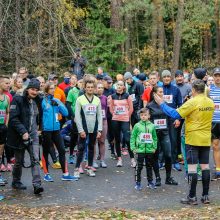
x: 66, y: 81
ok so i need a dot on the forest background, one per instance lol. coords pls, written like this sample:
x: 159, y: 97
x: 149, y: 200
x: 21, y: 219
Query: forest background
x: 114, y: 34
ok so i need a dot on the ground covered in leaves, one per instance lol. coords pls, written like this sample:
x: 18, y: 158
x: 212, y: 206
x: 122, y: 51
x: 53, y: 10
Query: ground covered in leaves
x: 67, y: 212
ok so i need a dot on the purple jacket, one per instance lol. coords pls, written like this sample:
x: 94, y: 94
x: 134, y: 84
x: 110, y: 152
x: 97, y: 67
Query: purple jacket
x: 104, y: 105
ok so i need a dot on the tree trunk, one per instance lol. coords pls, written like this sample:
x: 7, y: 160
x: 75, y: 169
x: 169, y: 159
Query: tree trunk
x: 177, y: 36
x: 17, y: 35
x: 217, y: 6
x: 1, y: 34
x: 115, y: 21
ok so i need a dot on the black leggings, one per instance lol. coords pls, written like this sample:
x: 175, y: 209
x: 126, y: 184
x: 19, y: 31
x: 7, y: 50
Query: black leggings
x: 73, y: 137
x: 91, y: 139
x: 124, y: 128
x: 50, y: 138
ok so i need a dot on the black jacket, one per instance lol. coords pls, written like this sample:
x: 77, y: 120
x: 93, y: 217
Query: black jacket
x: 19, y: 119
x: 137, y: 89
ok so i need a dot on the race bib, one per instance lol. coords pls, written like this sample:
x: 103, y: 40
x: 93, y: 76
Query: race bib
x: 168, y: 98
x: 90, y: 109
x: 133, y: 97
x: 120, y: 110
x: 103, y: 113
x: 146, y: 138
x: 160, y: 123
x: 2, y: 116
x: 217, y: 107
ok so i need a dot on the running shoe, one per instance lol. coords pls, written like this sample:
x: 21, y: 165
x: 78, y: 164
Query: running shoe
x: 3, y: 168
x: 2, y: 181
x: 81, y: 171
x: 119, y: 163
x: 48, y: 178
x: 158, y: 181
x: 113, y: 156
x: 56, y: 165
x: 92, y: 168
x: 215, y: 176
x: 205, y: 199
x: 138, y: 186
x: 9, y: 167
x: 69, y: 178
x: 151, y: 185
x: 189, y: 201
x: 38, y: 189
x: 103, y: 164
x: 171, y: 181
x: 18, y: 185
x: 124, y: 151
x: 90, y: 172
x: 1, y: 197
x: 161, y: 166
x: 77, y: 173
x: 71, y: 159
x: 95, y: 165
x: 177, y: 167
x: 133, y: 163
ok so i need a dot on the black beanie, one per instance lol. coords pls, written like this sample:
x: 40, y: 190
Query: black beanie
x: 200, y: 73
x: 34, y: 83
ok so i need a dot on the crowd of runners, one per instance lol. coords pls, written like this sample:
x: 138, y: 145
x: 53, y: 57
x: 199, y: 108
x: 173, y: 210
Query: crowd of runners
x: 157, y: 120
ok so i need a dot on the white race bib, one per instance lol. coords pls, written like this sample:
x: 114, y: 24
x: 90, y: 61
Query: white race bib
x: 103, y: 113
x: 146, y: 138
x: 168, y: 98
x: 133, y: 97
x: 217, y: 107
x: 160, y: 123
x: 120, y: 110
x: 90, y: 109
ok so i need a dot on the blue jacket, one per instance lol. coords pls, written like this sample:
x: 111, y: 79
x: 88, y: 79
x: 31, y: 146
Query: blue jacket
x: 51, y: 112
x: 177, y: 97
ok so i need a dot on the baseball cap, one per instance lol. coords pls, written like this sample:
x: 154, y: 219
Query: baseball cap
x: 52, y: 76
x: 165, y: 73
x: 108, y: 79
x: 216, y: 70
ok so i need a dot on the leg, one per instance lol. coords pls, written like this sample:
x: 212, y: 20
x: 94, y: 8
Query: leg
x: 58, y: 141
x: 101, y: 141
x: 73, y: 137
x: 46, y: 145
x: 110, y: 135
x: 140, y: 161
x: 91, y: 145
x: 81, y: 148
x: 149, y: 162
x: 126, y: 133
x: 116, y: 125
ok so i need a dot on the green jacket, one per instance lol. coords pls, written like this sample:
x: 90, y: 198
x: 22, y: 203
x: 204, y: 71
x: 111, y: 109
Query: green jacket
x: 72, y: 96
x: 144, y: 138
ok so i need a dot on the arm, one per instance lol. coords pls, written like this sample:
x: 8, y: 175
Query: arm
x: 70, y: 111
x: 171, y: 112
x: 61, y: 108
x: 130, y: 106
x: 14, y: 119
x: 110, y: 104
x: 99, y: 117
x: 7, y: 112
x: 154, y: 136
x: 133, y: 138
x: 63, y: 97
x: 179, y: 98
x: 78, y: 117
x: 140, y: 93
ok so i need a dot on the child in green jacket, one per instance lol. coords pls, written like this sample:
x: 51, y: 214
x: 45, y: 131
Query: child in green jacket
x: 144, y: 143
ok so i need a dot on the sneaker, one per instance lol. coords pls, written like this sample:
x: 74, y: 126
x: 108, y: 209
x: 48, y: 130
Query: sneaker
x: 92, y: 168
x: 91, y: 173
x: 95, y: 165
x: 3, y: 168
x: 18, y: 185
x: 71, y: 159
x: 56, y: 165
x: 9, y: 167
x: 138, y: 186
x: 77, y: 173
x: 124, y: 151
x: 119, y: 163
x: 151, y: 185
x: 133, y: 163
x: 215, y: 176
x: 177, y: 167
x: 189, y: 201
x: 1, y: 197
x: 158, y: 181
x: 161, y: 166
x: 113, y: 156
x: 48, y: 178
x: 171, y: 181
x: 205, y: 199
x: 2, y: 182
x: 69, y: 178
x: 103, y: 164
x: 81, y: 171
x: 38, y: 189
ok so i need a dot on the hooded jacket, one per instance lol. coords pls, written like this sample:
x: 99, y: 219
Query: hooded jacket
x: 137, y: 143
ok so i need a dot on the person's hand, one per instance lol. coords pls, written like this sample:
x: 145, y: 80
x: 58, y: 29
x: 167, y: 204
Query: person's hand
x: 157, y: 99
x: 25, y: 136
x: 82, y: 134
x: 176, y: 123
x: 98, y: 135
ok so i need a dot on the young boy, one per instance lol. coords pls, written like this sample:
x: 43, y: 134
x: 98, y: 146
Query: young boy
x: 144, y: 143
